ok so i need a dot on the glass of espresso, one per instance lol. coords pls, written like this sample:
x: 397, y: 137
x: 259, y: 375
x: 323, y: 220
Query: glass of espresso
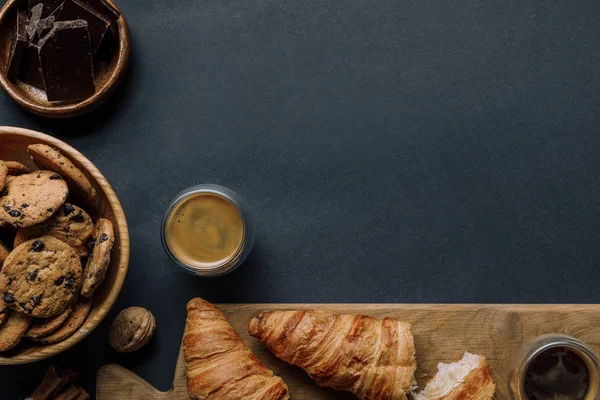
x: 556, y: 367
x: 208, y: 230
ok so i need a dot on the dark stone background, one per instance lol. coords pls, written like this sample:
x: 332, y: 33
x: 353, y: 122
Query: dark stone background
x: 392, y: 151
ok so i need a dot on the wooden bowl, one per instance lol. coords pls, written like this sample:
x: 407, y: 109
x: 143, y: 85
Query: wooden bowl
x: 13, y: 146
x: 107, y: 76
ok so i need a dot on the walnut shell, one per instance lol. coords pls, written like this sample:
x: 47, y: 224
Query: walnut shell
x: 132, y: 329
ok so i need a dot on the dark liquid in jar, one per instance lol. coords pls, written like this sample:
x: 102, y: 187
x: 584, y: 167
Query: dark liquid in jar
x: 557, y: 374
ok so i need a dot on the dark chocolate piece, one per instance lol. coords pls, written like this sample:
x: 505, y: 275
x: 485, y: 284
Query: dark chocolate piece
x: 50, y: 6
x: 31, y: 70
x: 17, y: 47
x: 34, y: 20
x: 96, y: 23
x: 104, y: 8
x: 66, y: 60
x: 44, y: 26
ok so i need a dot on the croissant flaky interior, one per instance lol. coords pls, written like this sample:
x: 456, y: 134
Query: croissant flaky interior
x: 219, y: 365
x: 373, y: 359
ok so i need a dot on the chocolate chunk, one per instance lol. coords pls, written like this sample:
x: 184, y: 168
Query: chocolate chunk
x: 96, y: 23
x: 36, y: 300
x: 59, y: 281
x: 78, y: 217
x: 8, y: 298
x: 24, y: 205
x: 31, y: 69
x: 14, y: 213
x: 68, y: 208
x: 103, y: 238
x: 56, y: 177
x: 32, y: 275
x: 37, y: 246
x: 34, y: 20
x: 50, y: 6
x: 104, y: 8
x: 26, y: 309
x: 17, y: 47
x: 66, y: 60
x: 44, y: 26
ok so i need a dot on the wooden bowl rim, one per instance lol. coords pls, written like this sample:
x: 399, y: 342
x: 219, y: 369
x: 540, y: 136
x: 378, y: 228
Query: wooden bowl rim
x: 123, y: 245
x: 84, y: 106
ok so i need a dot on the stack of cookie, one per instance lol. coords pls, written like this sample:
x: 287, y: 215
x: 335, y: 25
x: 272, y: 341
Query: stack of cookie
x: 53, y: 257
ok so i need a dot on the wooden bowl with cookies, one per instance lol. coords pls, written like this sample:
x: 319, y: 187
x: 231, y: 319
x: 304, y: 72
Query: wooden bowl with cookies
x: 64, y: 246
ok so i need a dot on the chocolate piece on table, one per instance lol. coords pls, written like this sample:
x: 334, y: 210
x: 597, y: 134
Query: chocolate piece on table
x: 34, y: 20
x: 31, y: 69
x: 97, y: 24
x: 55, y: 380
x: 66, y: 60
x: 17, y: 47
x: 44, y: 26
x: 50, y: 6
x: 105, y: 8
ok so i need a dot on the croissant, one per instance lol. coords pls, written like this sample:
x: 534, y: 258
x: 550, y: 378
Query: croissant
x: 373, y: 359
x: 219, y: 365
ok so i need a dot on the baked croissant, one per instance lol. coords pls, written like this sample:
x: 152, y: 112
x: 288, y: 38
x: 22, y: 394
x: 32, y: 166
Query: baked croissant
x: 374, y: 359
x: 219, y: 365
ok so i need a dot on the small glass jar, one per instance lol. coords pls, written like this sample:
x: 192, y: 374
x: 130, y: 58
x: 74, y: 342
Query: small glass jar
x: 531, y: 350
x: 248, y: 230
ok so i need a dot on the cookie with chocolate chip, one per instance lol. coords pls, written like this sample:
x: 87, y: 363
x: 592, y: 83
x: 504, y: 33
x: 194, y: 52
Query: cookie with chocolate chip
x: 46, y: 326
x: 46, y: 157
x: 41, y: 277
x: 13, y: 330
x: 16, y: 168
x: 70, y: 224
x: 98, y: 261
x: 32, y: 198
x: 75, y: 320
x: 3, y: 174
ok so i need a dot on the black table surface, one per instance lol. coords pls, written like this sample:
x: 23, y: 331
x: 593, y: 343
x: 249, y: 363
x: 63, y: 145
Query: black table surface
x: 391, y: 151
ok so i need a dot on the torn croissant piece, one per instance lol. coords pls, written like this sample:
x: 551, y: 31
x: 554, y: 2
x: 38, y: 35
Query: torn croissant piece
x: 219, y: 365
x: 373, y: 359
x: 468, y: 378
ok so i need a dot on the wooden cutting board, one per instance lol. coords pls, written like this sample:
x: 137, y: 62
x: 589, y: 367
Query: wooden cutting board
x: 442, y: 333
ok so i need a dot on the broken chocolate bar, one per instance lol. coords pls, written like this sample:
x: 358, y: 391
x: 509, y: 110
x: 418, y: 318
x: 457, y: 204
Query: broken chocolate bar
x: 34, y: 20
x: 97, y: 25
x: 50, y: 6
x: 105, y: 8
x: 66, y: 60
x: 17, y: 47
x: 31, y: 70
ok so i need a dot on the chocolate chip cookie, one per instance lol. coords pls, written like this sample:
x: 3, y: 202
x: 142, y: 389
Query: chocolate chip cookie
x: 32, y: 198
x: 71, y: 325
x: 70, y: 224
x: 4, y: 252
x: 97, y: 264
x: 16, y: 168
x: 44, y: 327
x: 13, y: 330
x: 3, y: 174
x: 41, y: 277
x: 46, y: 157
x: 132, y: 329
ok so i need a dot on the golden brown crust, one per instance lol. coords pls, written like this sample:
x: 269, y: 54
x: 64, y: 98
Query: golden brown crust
x: 478, y: 385
x: 16, y: 168
x: 374, y: 359
x: 44, y: 327
x: 13, y: 330
x: 46, y: 157
x: 69, y: 223
x: 71, y: 325
x: 99, y: 260
x: 219, y: 365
